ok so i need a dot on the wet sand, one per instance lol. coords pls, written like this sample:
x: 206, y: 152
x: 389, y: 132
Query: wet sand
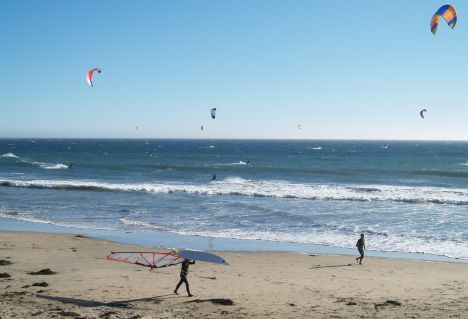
x: 81, y: 283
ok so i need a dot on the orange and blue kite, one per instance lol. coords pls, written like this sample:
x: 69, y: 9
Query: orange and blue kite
x: 448, y: 13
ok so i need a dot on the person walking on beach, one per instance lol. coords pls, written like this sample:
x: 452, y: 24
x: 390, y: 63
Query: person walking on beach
x: 361, y: 245
x: 183, y: 276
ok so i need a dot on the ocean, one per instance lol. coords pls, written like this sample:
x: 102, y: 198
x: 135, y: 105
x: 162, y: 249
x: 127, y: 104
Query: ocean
x: 406, y: 197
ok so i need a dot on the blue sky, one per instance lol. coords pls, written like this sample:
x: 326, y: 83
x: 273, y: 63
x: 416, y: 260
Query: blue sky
x: 341, y: 69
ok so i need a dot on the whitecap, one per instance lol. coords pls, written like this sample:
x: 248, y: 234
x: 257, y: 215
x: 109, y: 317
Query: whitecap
x: 276, y: 189
x: 9, y: 155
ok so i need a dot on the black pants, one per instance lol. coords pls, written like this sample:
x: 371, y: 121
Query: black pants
x: 182, y: 280
x: 361, y: 252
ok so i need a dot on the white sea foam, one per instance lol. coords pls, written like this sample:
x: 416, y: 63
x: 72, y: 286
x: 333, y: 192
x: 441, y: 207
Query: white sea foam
x: 277, y: 189
x: 381, y: 242
x: 130, y: 222
x: 232, y: 164
x: 43, y: 165
x: 50, y: 165
x: 9, y: 155
x: 31, y: 218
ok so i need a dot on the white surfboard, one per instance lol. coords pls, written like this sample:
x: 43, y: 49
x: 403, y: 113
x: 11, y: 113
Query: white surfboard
x: 201, y: 256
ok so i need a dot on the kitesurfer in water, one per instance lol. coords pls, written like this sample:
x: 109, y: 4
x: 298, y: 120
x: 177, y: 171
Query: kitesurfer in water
x: 183, y: 276
x: 361, y: 245
x: 214, y: 177
x: 70, y: 165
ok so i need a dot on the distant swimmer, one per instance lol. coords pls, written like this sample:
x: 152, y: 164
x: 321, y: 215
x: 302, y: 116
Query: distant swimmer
x: 361, y: 245
x: 422, y: 113
x: 70, y: 165
x: 248, y: 162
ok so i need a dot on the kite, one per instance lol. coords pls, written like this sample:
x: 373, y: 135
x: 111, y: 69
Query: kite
x: 89, y: 76
x: 213, y: 113
x: 448, y: 13
x: 422, y: 113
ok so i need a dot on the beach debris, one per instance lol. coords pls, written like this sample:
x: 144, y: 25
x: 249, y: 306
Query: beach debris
x: 292, y: 304
x: 89, y: 75
x: 26, y: 286
x: 206, y: 277
x: 4, y: 275
x: 422, y: 113
x: 387, y: 303
x: 46, y: 271
x: 40, y: 284
x: 216, y: 301
x: 347, y: 301
x: 69, y: 314
x: 107, y: 314
x: 213, y: 113
x: 80, y: 236
x: 5, y: 262
x: 448, y: 13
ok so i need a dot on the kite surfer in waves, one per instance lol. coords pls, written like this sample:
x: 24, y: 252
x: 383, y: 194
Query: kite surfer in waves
x: 183, y: 276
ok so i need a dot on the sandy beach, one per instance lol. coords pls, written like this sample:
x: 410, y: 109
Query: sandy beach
x: 83, y: 284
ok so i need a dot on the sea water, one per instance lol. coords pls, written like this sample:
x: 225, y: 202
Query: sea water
x: 404, y: 196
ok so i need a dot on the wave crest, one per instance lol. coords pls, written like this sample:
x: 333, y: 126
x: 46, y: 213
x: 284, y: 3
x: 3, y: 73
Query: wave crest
x: 276, y: 189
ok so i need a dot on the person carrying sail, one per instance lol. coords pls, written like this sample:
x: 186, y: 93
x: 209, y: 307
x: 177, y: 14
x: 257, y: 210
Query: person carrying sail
x: 183, y: 276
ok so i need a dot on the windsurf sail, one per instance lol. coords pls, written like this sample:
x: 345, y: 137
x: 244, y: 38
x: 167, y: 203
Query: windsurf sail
x: 147, y: 259
x: 164, y: 259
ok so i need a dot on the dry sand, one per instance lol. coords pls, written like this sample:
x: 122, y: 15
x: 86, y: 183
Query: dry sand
x: 261, y: 285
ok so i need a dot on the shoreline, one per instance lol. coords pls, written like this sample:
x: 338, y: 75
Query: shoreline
x: 254, y: 285
x: 167, y: 239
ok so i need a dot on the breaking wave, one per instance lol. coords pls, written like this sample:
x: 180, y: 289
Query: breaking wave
x: 9, y: 155
x: 233, y: 164
x: 31, y: 218
x: 43, y: 165
x: 275, y: 189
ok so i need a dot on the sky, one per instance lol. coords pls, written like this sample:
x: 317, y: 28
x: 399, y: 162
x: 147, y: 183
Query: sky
x: 341, y: 69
